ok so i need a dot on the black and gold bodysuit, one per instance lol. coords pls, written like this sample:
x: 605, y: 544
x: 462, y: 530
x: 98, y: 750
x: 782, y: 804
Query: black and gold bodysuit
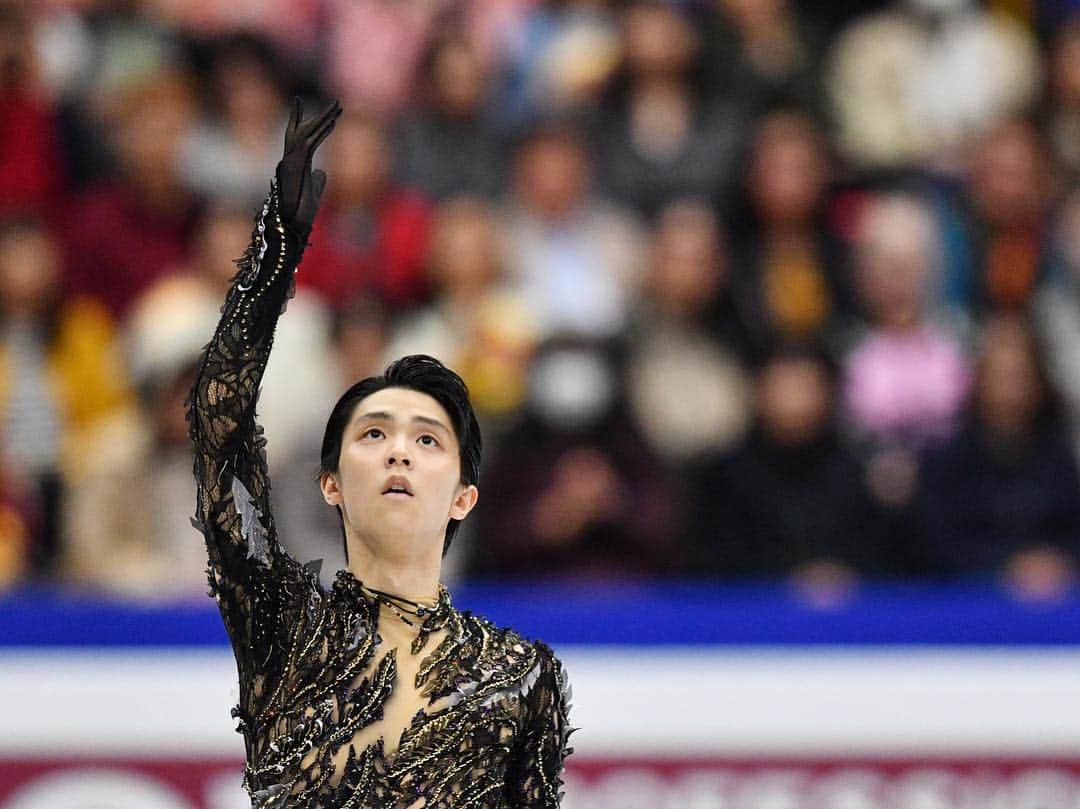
x: 326, y: 706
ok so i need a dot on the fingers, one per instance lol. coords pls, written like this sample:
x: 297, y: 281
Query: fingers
x: 319, y: 135
x: 306, y: 136
x: 317, y: 122
x: 296, y: 115
x: 333, y: 111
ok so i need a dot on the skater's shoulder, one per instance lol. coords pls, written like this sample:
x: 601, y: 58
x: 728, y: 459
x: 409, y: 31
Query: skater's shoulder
x: 505, y: 642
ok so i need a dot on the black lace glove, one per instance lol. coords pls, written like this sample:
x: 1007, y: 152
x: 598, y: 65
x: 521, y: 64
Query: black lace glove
x: 299, y: 186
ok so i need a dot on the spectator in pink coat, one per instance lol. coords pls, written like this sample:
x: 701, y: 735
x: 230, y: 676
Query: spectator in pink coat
x: 907, y: 376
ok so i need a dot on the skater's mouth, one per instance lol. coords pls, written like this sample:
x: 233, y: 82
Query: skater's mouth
x: 397, y: 485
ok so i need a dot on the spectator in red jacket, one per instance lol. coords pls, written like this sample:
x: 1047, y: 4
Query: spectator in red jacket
x: 31, y: 168
x: 372, y: 234
x: 127, y: 231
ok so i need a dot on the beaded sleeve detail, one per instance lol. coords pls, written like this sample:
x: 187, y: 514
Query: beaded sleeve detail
x: 257, y: 585
x: 313, y: 674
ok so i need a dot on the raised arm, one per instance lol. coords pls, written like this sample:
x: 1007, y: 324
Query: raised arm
x: 255, y: 582
x: 221, y: 407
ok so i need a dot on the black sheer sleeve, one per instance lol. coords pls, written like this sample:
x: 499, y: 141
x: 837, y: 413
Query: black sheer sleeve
x: 534, y: 780
x: 260, y: 589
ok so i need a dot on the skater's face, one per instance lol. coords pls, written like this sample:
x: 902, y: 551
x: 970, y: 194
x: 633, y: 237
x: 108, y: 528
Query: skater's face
x: 399, y: 473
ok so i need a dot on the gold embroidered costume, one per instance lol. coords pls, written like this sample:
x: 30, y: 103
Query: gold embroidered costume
x: 320, y: 687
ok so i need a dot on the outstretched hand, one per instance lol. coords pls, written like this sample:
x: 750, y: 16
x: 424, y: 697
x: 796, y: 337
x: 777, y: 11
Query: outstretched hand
x: 299, y: 186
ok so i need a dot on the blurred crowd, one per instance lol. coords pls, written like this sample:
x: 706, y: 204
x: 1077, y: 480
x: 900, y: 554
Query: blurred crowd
x: 741, y: 288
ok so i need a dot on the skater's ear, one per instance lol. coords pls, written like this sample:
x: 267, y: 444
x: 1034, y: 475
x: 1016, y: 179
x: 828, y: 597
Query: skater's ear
x: 331, y: 490
x: 464, y: 502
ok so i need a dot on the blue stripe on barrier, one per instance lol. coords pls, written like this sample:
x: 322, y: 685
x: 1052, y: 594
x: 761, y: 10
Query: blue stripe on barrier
x: 594, y: 613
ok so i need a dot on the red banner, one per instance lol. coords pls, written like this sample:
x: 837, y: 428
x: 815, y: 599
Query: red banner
x: 600, y: 784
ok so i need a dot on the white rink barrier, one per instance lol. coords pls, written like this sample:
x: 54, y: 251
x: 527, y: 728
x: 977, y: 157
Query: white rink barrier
x: 689, y: 727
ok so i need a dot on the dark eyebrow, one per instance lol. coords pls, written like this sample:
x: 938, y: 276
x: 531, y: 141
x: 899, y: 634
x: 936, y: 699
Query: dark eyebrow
x: 382, y: 415
x: 377, y: 415
x: 432, y: 422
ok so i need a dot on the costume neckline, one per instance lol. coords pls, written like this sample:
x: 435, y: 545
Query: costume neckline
x: 434, y: 620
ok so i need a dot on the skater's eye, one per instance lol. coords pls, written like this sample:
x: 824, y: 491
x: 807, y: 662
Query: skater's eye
x: 428, y: 440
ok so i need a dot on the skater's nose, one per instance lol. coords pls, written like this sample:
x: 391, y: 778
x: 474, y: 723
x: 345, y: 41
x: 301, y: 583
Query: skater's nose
x: 398, y: 453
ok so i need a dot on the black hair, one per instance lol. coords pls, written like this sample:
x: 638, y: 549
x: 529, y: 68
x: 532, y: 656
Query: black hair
x: 790, y: 348
x: 425, y: 374
x: 245, y: 47
x: 561, y: 127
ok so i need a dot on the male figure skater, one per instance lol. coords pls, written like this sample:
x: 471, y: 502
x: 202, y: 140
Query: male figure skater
x: 377, y: 693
